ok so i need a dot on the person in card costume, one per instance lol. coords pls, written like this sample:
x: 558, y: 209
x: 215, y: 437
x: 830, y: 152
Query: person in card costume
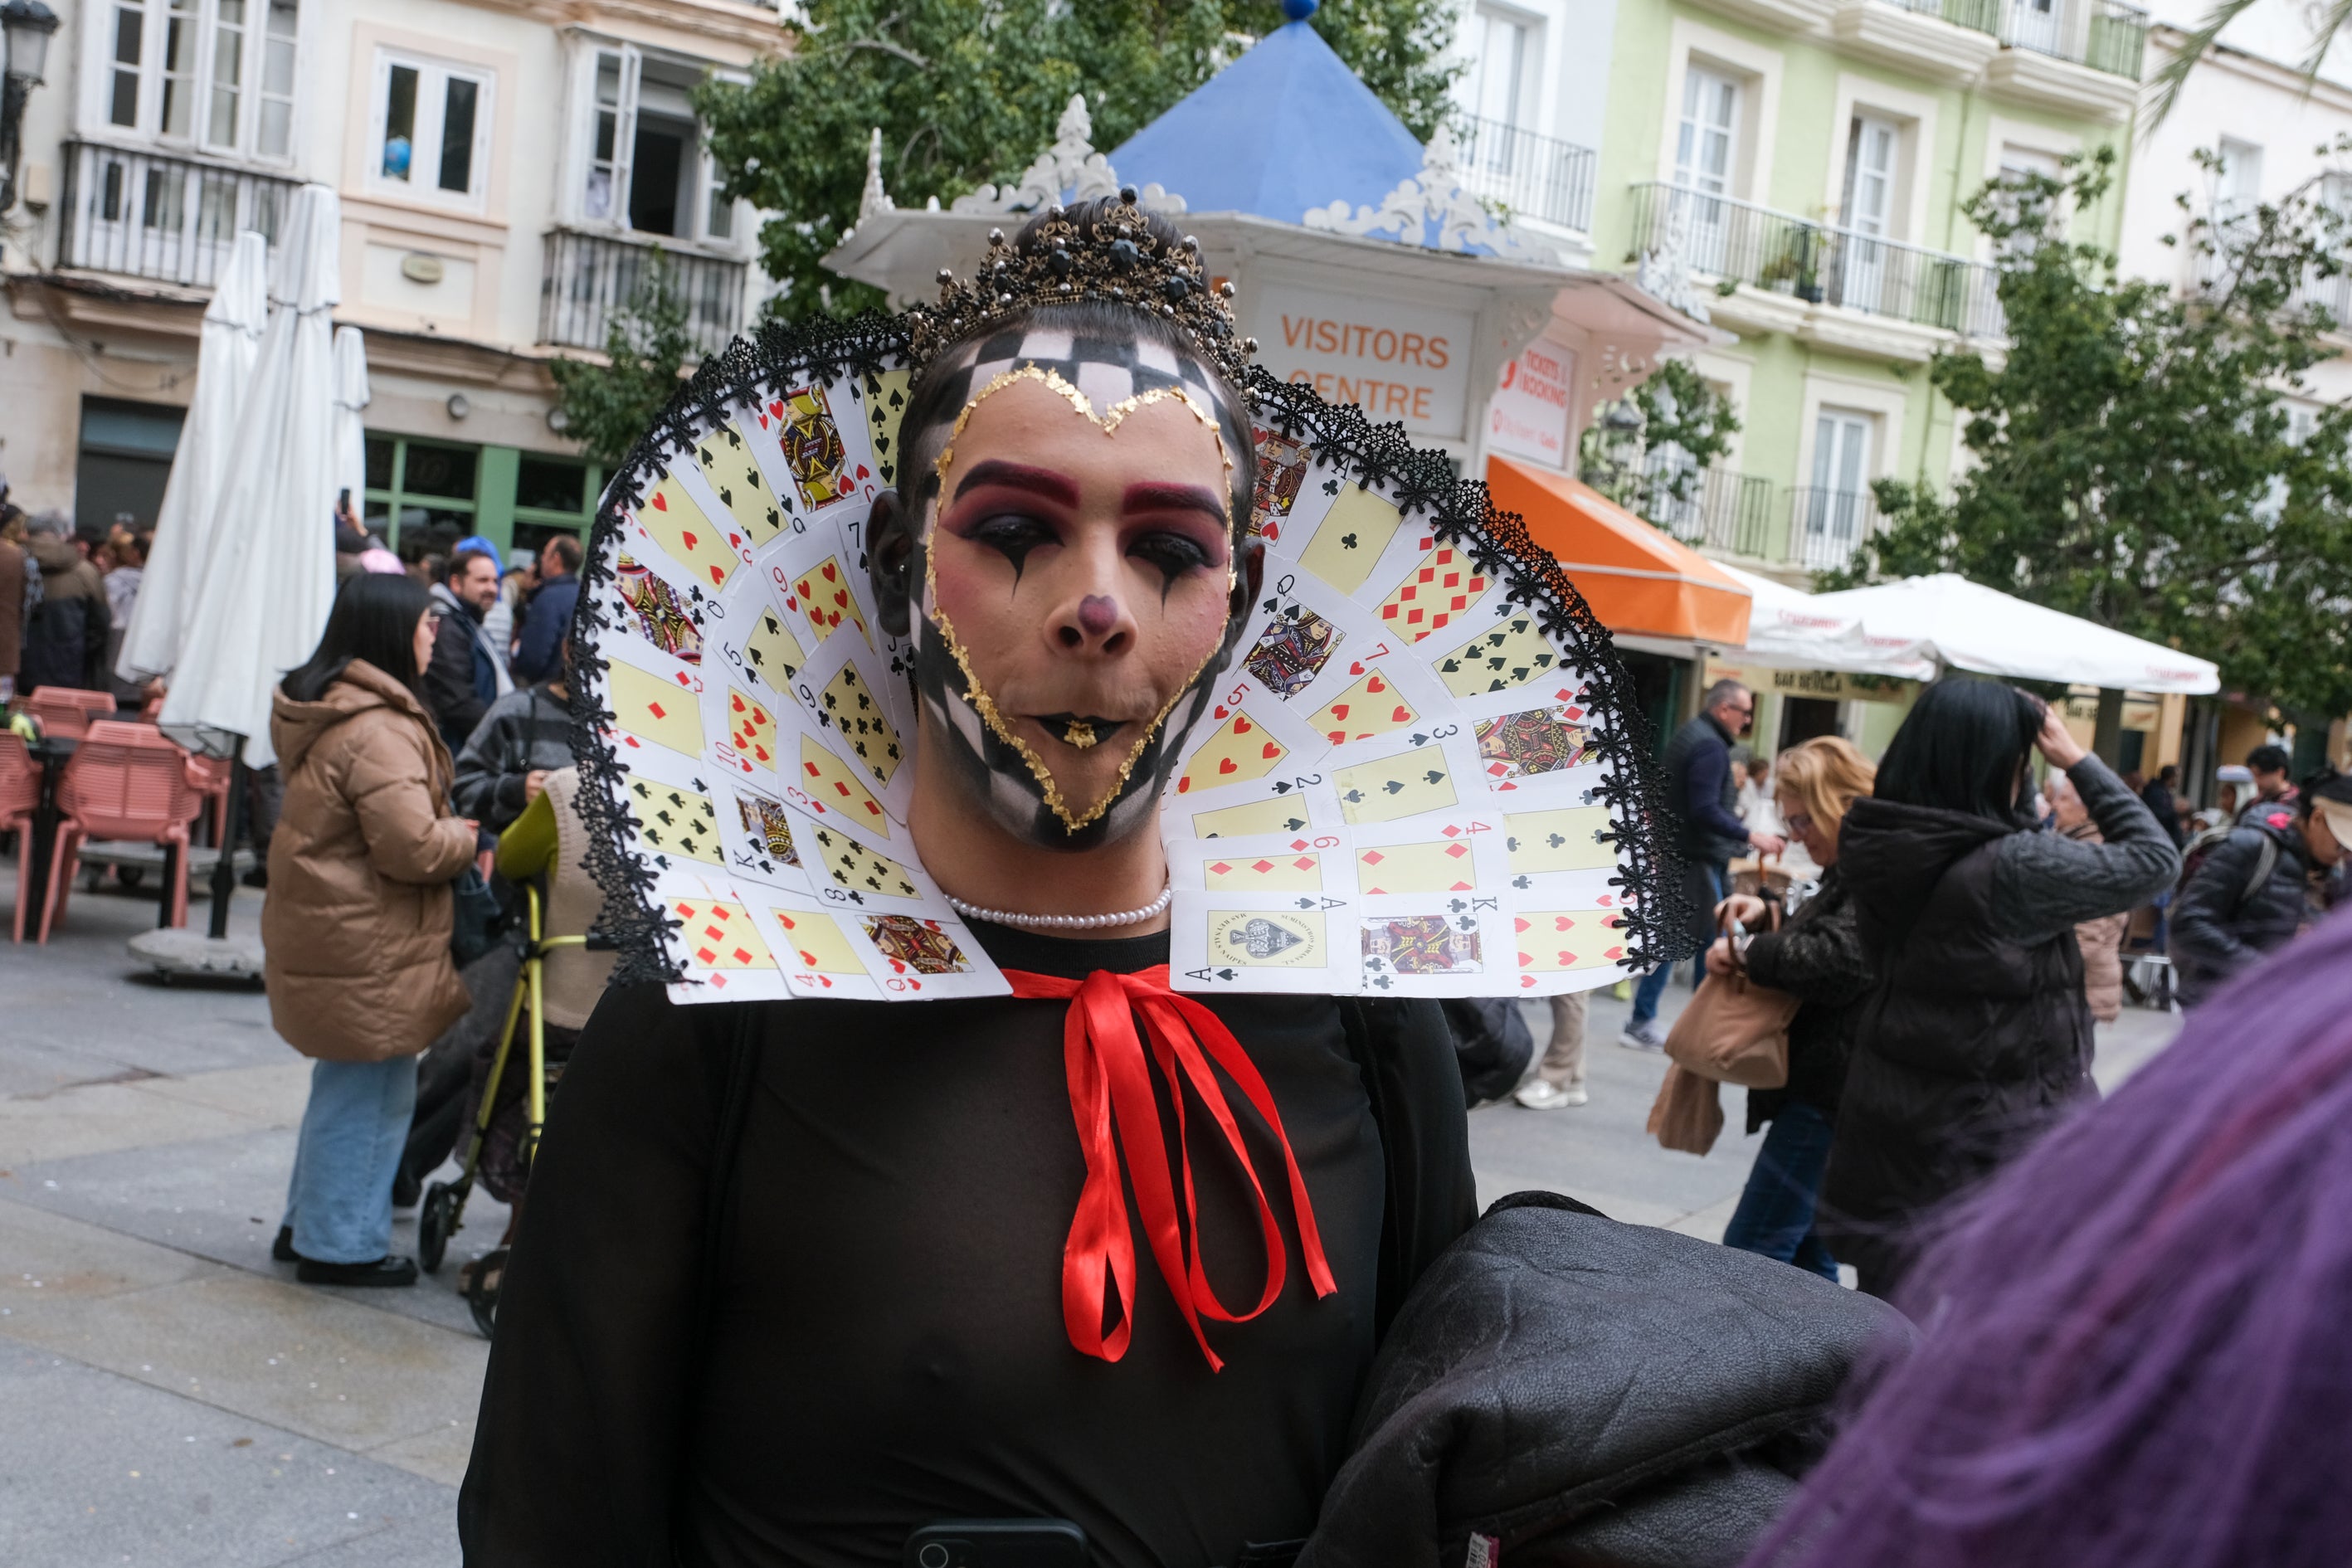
x: 975, y: 657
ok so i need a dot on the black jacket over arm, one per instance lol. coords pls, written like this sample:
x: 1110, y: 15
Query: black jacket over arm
x: 1818, y: 958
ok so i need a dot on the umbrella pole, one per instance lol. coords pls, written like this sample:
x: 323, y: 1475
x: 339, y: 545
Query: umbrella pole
x: 225, y: 867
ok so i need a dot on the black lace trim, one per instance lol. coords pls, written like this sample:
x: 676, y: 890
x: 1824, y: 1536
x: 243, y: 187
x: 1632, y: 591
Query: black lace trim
x: 1657, y: 920
x: 633, y: 920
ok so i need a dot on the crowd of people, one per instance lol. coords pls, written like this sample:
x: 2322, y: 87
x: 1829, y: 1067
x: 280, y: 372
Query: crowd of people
x: 66, y: 595
x: 1965, y: 933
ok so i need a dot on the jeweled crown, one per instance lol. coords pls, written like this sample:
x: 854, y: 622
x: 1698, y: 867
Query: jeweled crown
x: 1114, y: 258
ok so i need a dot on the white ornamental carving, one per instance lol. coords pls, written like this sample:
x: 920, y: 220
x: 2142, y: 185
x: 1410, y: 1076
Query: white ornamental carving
x: 1436, y: 197
x: 876, y: 199
x: 1664, y: 272
x: 1071, y: 164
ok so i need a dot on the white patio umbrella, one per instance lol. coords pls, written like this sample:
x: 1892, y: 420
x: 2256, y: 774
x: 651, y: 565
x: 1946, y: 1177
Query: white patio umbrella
x: 352, y: 398
x: 267, y: 587
x: 1790, y: 629
x: 226, y: 348
x: 1971, y: 626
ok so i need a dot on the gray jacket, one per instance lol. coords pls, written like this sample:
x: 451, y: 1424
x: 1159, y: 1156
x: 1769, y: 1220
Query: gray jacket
x: 523, y: 731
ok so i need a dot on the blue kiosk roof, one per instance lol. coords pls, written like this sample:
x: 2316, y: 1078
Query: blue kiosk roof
x: 1286, y: 128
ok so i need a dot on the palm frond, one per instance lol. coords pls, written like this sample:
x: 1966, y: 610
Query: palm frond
x: 2175, y: 74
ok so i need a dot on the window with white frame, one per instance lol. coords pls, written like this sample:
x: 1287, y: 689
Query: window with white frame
x: 2237, y: 181
x: 1837, y: 511
x: 216, y: 75
x: 1504, y: 46
x: 2017, y: 164
x: 429, y: 128
x: 645, y: 167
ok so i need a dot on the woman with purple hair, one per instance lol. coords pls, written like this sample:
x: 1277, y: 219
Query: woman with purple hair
x: 2133, y: 1349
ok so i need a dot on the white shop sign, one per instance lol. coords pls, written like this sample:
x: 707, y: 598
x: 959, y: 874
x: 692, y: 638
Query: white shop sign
x: 1393, y: 359
x: 1528, y: 416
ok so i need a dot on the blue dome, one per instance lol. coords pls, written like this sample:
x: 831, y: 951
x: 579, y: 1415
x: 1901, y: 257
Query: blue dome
x: 1286, y: 128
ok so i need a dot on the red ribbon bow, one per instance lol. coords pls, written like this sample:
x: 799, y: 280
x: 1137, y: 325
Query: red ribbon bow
x: 1111, y: 1082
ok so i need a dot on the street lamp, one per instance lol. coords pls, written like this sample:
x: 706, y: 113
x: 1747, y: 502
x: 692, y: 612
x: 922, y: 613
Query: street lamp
x: 27, y: 25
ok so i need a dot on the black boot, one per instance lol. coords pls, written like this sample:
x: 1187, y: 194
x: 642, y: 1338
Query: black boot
x: 385, y: 1271
x: 282, y: 1249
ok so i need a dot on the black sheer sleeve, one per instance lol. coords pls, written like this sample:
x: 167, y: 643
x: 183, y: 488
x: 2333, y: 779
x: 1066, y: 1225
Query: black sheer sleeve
x: 1406, y: 1053
x: 577, y: 1448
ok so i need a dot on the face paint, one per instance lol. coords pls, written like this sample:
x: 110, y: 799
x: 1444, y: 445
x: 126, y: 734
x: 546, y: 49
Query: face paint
x: 1124, y: 638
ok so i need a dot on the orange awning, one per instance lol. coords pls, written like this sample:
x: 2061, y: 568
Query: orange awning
x: 1637, y: 580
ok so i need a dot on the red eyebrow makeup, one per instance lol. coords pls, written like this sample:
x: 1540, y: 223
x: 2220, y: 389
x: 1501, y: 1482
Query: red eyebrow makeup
x: 1043, y: 482
x: 1149, y: 496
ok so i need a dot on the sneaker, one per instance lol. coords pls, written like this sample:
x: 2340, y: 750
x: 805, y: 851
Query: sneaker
x: 1538, y: 1095
x: 385, y: 1271
x: 1642, y: 1036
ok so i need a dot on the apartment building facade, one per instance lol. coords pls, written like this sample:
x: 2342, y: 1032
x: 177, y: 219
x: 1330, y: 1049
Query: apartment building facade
x: 506, y: 169
x: 1801, y: 164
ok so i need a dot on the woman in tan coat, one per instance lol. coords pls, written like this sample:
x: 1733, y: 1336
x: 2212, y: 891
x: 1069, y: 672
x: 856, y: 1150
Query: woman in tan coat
x: 2101, y: 940
x: 358, y: 919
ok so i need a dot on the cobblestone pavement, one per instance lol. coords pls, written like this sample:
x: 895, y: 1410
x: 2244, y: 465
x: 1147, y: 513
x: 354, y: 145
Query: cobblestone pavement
x: 173, y: 1398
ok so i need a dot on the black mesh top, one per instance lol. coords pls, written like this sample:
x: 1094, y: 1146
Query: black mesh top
x: 886, y: 1346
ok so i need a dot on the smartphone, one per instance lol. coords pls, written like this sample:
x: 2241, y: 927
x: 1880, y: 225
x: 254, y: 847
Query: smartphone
x: 996, y: 1543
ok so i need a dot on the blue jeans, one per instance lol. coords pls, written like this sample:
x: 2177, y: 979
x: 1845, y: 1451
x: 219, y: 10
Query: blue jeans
x: 1775, y: 1216
x: 1653, y: 985
x: 339, y: 1200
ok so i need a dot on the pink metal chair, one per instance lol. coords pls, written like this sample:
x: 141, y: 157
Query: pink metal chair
x: 67, y: 712
x: 126, y: 781
x: 20, y: 796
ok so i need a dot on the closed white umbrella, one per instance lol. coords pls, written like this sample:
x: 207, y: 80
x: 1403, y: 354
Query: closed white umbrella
x: 226, y: 348
x: 1792, y: 630
x: 265, y: 590
x: 352, y: 397
x: 1971, y: 626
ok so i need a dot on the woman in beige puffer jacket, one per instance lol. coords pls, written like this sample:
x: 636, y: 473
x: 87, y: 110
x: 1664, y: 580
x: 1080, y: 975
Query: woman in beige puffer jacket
x: 357, y: 921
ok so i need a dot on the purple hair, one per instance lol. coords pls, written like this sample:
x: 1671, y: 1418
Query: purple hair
x: 2137, y: 1340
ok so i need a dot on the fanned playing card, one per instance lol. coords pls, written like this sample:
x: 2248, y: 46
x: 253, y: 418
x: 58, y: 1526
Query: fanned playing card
x: 1422, y: 772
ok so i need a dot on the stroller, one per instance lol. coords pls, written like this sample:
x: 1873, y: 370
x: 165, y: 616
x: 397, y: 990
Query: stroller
x: 441, y: 1214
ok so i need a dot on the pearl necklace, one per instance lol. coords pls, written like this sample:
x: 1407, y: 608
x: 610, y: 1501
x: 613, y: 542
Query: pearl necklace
x: 1063, y: 922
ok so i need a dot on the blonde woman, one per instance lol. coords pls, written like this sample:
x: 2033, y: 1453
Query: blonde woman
x: 1816, y: 956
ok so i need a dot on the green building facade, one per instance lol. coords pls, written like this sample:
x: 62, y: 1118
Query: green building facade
x: 1804, y: 163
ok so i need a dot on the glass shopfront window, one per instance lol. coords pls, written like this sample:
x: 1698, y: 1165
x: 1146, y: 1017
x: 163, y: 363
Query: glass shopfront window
x: 423, y: 496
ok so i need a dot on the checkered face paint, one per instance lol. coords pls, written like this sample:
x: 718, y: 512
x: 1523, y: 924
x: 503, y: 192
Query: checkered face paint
x: 1106, y: 380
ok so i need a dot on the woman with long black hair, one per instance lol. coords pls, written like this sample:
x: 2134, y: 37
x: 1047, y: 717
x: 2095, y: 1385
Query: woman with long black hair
x: 1977, y: 1033
x: 358, y: 919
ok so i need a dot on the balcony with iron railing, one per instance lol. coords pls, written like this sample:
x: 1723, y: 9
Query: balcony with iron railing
x: 1817, y: 263
x: 2104, y: 35
x: 1536, y: 176
x: 1976, y: 15
x: 1708, y: 508
x: 589, y: 279
x: 1826, y: 526
x: 156, y: 217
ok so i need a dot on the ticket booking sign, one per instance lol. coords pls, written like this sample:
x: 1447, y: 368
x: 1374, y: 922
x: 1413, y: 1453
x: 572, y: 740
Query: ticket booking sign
x: 1528, y: 417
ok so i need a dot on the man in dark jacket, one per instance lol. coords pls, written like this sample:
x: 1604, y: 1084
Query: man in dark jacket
x: 65, y: 636
x: 525, y: 736
x: 2272, y: 787
x: 2163, y: 804
x: 547, y: 614
x: 1703, y: 799
x: 2251, y: 892
x: 465, y: 675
